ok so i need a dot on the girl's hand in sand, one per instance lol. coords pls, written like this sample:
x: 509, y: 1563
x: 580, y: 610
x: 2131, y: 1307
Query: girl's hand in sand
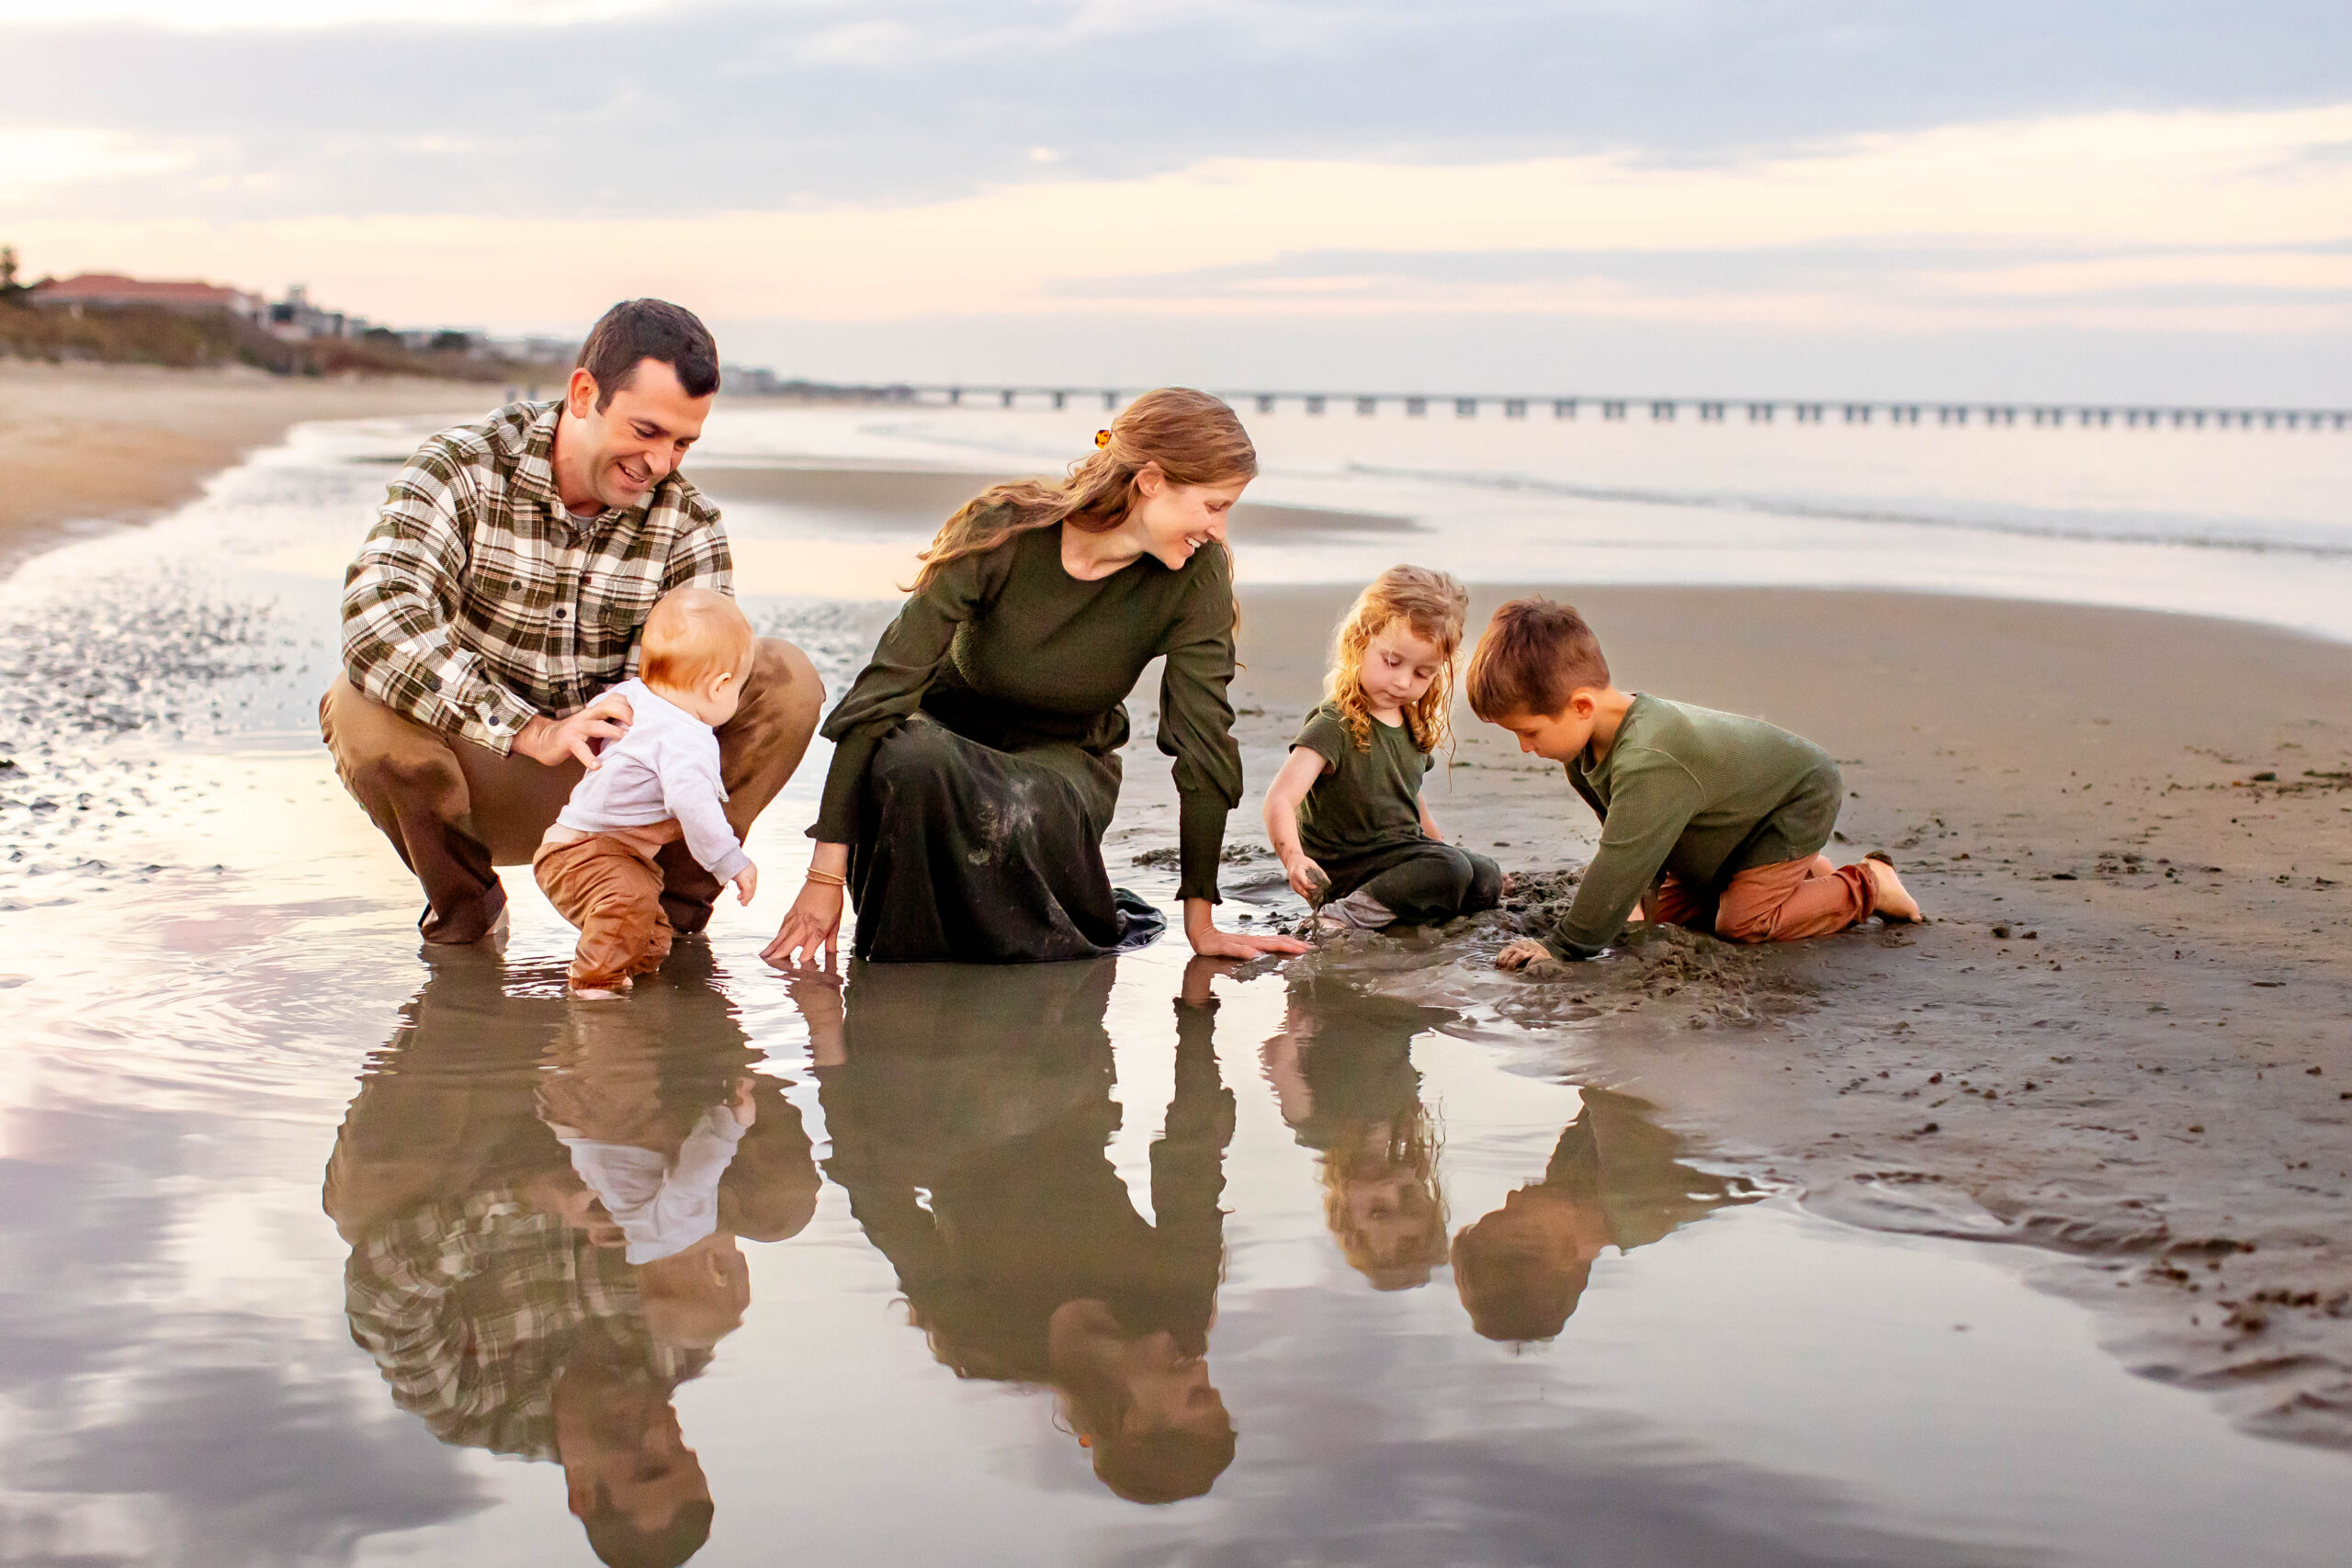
x: 1310, y: 881
x: 812, y: 925
x: 747, y: 882
x: 1521, y: 953
x: 1210, y: 942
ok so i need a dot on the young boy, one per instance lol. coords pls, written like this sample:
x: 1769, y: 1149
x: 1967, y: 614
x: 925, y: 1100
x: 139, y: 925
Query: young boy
x: 657, y: 783
x: 1708, y: 819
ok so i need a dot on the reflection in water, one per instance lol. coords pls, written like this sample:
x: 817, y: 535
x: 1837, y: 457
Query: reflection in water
x: 543, y: 1199
x: 1342, y: 1071
x: 970, y: 1125
x: 1614, y: 1180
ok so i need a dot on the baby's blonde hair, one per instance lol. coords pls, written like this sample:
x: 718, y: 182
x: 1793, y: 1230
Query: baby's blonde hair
x: 1435, y: 606
x: 692, y: 635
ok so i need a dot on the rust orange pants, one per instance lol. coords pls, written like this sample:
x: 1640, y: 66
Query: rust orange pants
x: 614, y: 895
x: 1787, y: 902
x: 457, y: 811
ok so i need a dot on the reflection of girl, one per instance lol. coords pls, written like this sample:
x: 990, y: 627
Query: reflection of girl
x: 976, y: 761
x: 1029, y: 1262
x: 1342, y: 1071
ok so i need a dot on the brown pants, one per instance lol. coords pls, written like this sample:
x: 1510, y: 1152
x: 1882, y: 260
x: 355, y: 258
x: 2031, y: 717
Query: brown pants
x: 1787, y: 902
x: 454, y: 811
x: 614, y: 895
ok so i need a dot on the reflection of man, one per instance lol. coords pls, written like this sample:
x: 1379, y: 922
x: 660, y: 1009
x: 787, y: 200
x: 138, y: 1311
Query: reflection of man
x: 490, y: 1285
x: 1029, y: 1261
x: 1614, y: 1180
x: 504, y: 588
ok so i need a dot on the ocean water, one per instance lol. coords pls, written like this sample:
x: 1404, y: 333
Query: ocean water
x: 2251, y: 525
x: 1114, y: 1263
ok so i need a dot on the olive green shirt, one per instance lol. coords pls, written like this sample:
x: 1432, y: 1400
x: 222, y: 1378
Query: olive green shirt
x: 1009, y: 649
x: 1367, y: 799
x: 1702, y: 794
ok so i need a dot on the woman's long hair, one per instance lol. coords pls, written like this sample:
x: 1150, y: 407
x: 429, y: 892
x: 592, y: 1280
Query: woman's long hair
x: 1435, y: 606
x: 1195, y: 438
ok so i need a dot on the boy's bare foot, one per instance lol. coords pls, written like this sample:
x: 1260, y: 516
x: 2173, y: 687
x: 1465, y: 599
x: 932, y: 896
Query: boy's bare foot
x: 599, y: 992
x: 1895, y: 900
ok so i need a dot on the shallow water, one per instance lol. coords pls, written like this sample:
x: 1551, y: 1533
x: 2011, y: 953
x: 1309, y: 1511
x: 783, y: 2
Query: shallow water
x: 1017, y: 1225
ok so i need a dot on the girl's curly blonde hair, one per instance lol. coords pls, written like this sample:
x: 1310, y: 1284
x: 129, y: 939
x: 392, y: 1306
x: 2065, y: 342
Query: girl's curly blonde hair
x: 1435, y: 607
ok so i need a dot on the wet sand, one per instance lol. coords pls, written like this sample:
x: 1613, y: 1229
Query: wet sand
x: 89, y: 447
x: 2123, y: 1036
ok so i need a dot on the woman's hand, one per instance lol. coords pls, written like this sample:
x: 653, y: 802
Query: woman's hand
x: 1200, y: 929
x: 813, y: 924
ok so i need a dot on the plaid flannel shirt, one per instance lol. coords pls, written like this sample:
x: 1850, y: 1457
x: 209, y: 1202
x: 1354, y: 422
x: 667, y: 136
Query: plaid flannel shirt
x: 472, y: 1307
x: 479, y: 601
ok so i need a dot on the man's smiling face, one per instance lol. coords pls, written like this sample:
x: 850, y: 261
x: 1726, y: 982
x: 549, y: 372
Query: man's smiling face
x: 638, y: 438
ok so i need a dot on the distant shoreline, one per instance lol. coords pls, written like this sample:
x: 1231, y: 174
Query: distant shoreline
x: 90, y: 448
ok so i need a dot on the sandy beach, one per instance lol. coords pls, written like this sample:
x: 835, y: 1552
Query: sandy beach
x: 95, y: 445
x: 2089, y: 1122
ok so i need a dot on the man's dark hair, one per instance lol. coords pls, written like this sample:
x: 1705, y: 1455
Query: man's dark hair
x: 616, y: 1540
x: 638, y: 330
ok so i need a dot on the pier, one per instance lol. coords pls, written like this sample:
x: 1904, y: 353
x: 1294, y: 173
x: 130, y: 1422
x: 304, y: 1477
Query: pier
x: 1702, y: 409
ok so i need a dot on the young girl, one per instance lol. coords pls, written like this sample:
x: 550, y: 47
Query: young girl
x: 1345, y: 813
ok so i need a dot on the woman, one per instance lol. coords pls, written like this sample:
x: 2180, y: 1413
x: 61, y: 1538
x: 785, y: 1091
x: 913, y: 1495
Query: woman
x: 976, y: 761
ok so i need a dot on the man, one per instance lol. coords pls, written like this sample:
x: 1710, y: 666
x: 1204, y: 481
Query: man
x: 502, y: 590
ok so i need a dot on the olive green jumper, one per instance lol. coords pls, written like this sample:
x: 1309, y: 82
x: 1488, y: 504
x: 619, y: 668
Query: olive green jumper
x: 1700, y: 793
x: 1369, y: 798
x: 1008, y: 648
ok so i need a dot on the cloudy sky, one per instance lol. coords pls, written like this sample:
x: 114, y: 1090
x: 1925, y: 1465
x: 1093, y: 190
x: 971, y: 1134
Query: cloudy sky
x: 1912, y: 197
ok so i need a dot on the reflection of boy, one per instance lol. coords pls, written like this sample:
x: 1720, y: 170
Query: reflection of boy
x: 1613, y: 1181
x: 1707, y: 819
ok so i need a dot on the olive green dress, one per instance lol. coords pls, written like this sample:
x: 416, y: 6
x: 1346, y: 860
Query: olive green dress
x: 975, y: 761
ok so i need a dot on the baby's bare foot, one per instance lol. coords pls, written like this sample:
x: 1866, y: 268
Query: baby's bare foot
x: 1895, y: 900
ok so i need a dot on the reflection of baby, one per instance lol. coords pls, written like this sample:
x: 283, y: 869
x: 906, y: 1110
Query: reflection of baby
x: 660, y: 1186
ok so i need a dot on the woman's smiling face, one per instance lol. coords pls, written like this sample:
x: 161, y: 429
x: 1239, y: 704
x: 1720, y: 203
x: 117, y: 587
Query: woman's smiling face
x: 1172, y: 521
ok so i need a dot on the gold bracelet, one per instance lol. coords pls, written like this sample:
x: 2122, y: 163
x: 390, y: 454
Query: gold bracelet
x: 827, y: 879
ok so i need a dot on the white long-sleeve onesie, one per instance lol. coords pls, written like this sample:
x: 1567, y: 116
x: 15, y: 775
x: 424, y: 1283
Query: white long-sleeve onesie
x: 667, y: 765
x: 662, y: 1206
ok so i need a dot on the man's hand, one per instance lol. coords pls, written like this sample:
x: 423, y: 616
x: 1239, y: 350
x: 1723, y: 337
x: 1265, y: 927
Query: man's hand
x: 552, y: 742
x: 747, y: 882
x: 1521, y: 953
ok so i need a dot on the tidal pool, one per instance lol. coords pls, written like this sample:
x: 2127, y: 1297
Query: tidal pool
x: 313, y: 1255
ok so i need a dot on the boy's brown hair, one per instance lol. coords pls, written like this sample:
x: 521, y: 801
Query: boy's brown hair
x: 1532, y: 657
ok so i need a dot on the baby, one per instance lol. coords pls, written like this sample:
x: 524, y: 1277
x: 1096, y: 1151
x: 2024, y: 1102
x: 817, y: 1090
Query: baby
x: 655, y: 783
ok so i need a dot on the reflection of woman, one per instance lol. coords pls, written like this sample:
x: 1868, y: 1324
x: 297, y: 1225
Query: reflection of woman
x: 1029, y: 1262
x: 976, y: 760
x: 1342, y: 1071
x: 1614, y: 1180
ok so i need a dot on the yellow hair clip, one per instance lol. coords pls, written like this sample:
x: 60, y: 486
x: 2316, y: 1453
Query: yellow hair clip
x: 1101, y: 439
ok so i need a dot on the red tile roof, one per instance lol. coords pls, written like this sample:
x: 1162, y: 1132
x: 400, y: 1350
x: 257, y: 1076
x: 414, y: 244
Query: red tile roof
x: 113, y: 288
